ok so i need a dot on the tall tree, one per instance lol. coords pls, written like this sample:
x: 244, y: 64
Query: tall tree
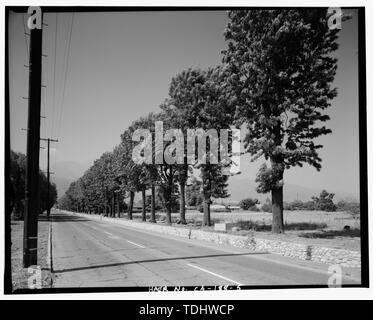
x: 193, y: 192
x: 198, y: 98
x: 280, y: 73
x: 173, y: 116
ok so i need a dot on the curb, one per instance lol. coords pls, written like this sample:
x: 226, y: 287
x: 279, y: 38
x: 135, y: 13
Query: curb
x: 50, y: 257
x: 330, y: 256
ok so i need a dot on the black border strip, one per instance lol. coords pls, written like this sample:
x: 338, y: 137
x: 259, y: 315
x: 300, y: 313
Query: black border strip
x: 364, y: 240
x: 7, y: 187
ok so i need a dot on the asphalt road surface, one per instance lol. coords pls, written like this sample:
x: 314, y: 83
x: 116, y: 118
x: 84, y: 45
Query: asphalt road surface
x: 89, y: 253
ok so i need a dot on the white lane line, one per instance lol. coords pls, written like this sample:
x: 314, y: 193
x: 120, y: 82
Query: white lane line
x: 136, y: 244
x: 110, y: 234
x: 114, y: 237
x: 215, y: 274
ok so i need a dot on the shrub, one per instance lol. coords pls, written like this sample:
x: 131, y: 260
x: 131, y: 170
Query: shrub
x: 325, y: 201
x: 299, y: 205
x: 254, y: 208
x: 247, y: 203
x: 124, y: 206
x: 352, y: 208
x: 287, y: 206
x: 266, y: 207
x: 309, y: 205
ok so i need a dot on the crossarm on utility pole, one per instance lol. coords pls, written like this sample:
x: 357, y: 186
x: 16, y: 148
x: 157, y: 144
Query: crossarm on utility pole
x: 49, y: 140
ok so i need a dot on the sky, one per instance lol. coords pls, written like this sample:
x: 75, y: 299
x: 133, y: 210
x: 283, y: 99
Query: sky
x: 119, y: 68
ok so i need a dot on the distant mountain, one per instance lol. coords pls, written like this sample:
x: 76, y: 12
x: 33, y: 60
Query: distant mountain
x: 70, y: 169
x: 62, y: 185
x: 65, y: 173
x: 240, y: 188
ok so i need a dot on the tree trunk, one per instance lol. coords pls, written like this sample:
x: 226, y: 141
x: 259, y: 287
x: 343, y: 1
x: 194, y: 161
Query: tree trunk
x: 152, y: 215
x: 168, y: 214
x: 118, y: 204
x: 206, y: 190
x: 143, y: 191
x: 169, y: 198
x: 182, y: 202
x: 113, y: 205
x: 277, y: 166
x: 277, y: 211
x: 206, y: 211
x: 130, y: 205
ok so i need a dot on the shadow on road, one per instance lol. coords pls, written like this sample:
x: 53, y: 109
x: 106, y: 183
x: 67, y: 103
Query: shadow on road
x: 56, y: 217
x: 156, y: 260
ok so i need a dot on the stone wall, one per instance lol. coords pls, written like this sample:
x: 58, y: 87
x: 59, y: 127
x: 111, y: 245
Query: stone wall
x: 345, y: 258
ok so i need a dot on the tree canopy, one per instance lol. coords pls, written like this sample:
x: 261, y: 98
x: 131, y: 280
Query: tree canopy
x: 281, y: 70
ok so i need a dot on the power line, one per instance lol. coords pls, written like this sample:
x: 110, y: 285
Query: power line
x: 54, y: 76
x: 65, y: 74
x: 24, y: 34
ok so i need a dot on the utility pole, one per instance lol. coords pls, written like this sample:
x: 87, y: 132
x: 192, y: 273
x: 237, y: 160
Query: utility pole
x: 30, y: 235
x: 48, y: 174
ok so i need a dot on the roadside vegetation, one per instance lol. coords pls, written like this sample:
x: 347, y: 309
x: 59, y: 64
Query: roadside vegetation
x: 275, y: 80
x: 17, y: 177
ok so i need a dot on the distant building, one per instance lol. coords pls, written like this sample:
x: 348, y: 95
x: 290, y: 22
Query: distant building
x: 234, y: 208
x: 219, y: 208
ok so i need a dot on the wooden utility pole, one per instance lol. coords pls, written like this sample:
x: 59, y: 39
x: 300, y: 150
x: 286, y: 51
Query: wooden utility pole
x: 48, y: 174
x: 30, y: 236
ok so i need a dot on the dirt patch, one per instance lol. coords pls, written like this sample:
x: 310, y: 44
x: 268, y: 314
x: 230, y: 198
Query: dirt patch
x: 20, y: 275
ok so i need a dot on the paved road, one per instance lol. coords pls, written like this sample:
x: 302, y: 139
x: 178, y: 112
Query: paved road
x: 90, y: 253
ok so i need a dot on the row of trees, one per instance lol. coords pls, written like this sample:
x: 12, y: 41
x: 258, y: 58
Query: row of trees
x: 18, y: 176
x: 194, y: 102
x: 275, y: 81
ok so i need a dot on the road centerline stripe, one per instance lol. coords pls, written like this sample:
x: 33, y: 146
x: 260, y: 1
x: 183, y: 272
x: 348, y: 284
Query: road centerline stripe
x: 214, y: 274
x: 136, y: 244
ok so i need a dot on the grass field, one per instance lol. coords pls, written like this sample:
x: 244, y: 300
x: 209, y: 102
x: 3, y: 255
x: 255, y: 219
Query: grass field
x: 310, y: 227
